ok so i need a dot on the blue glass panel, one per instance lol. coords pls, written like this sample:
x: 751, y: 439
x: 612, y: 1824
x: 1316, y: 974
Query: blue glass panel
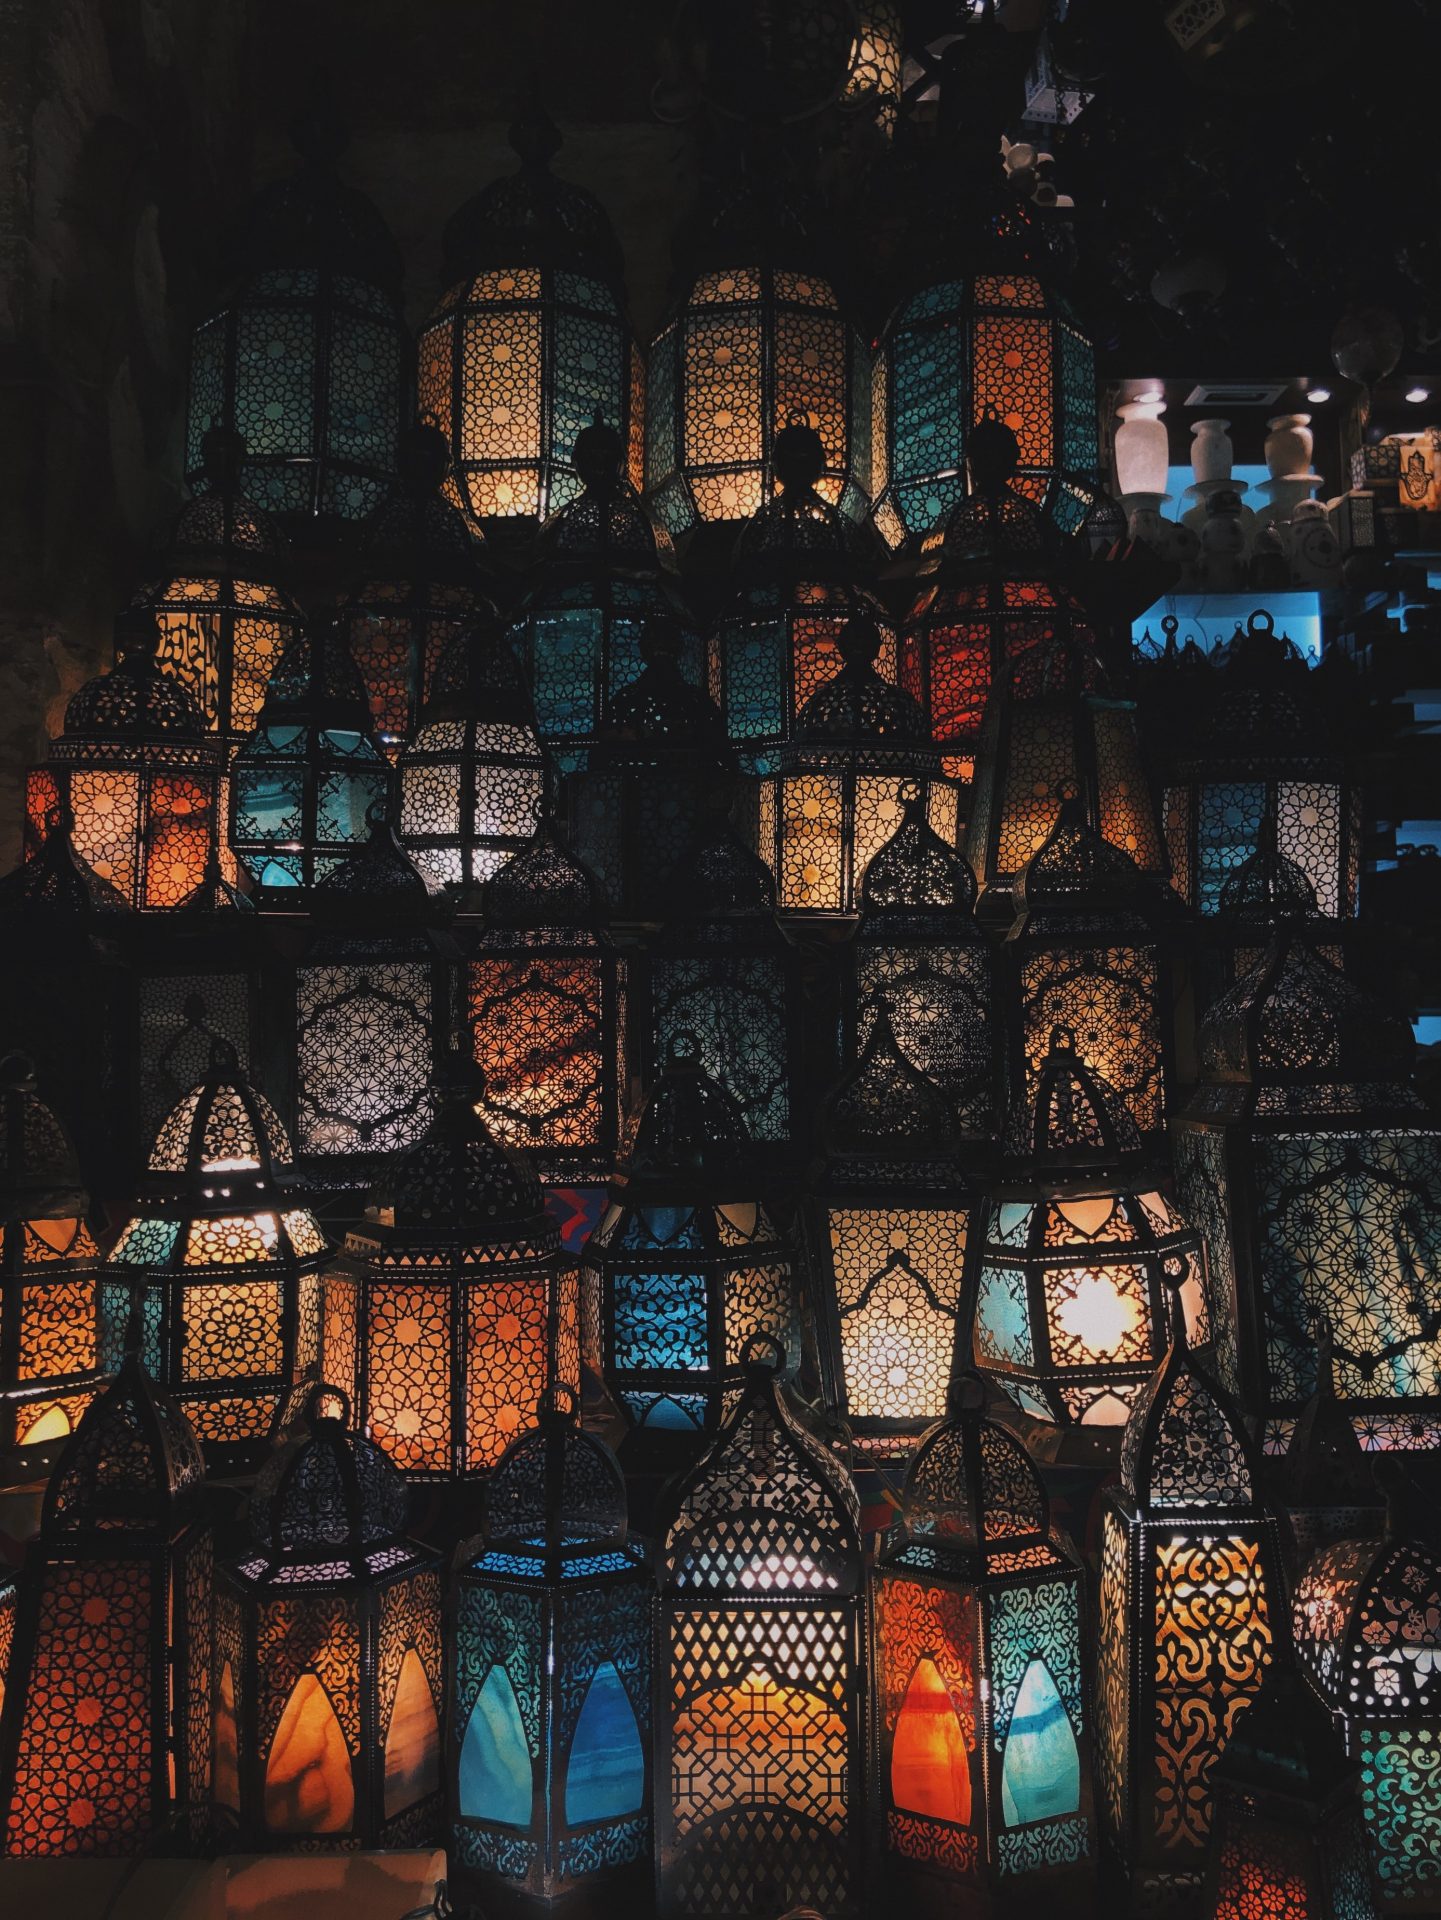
x: 660, y: 1322
x: 1041, y: 1772
x: 662, y: 1227
x: 565, y: 665
x: 1003, y: 1328
x: 596, y: 1563
x: 280, y: 873
x: 755, y: 681
x: 517, y: 1565
x: 275, y: 378
x: 606, y: 1774
x: 364, y: 391
x: 589, y: 366
x: 495, y: 1765
x: 672, y: 1412
x: 342, y: 801
x: 929, y: 398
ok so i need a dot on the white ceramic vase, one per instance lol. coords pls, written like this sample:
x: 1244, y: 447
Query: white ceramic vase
x: 1211, y: 450
x: 1288, y: 445
x: 1142, y: 448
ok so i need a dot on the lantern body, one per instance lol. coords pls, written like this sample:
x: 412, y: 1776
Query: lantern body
x: 825, y: 815
x: 998, y: 341
x: 105, y: 1732
x: 750, y: 348
x: 552, y: 1621
x: 206, y: 980
x: 759, y: 1737
x: 470, y: 797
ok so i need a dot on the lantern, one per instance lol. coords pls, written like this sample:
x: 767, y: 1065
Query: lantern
x: 473, y: 778
x: 605, y: 568
x: 719, y: 969
x: 919, y: 956
x: 552, y: 1615
x: 997, y: 342
x: 453, y: 1307
x: 1325, y: 1482
x: 837, y: 794
x: 1288, y: 1838
x: 307, y: 776
x: 373, y: 999
x: 48, y: 1303
x: 139, y: 780
x: 980, y: 1706
x: 1364, y: 1617
x: 222, y: 613
x: 530, y: 343
x: 308, y: 356
x: 1262, y: 749
x: 1314, y: 1169
x: 544, y: 988
x: 215, y: 1278
x: 799, y: 565
x: 422, y: 589
x: 105, y: 1737
x: 1076, y: 1261
x: 328, y: 1666
x: 1189, y: 1615
x: 888, y: 1226
x: 686, y: 1266
x: 759, y: 1728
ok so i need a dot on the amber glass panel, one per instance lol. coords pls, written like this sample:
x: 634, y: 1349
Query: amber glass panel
x: 412, y: 1745
x: 930, y: 1769
x: 1013, y: 376
x: 309, y: 1787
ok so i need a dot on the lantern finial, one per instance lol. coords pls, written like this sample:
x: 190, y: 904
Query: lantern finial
x: 992, y: 454
x: 534, y: 137
x: 799, y: 455
x: 422, y: 459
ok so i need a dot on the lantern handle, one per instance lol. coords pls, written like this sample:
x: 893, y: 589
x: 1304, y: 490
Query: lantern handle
x: 966, y: 1395
x: 763, y: 1357
x: 224, y: 1060
x: 684, y: 1049
x: 560, y: 1401
x: 320, y: 1392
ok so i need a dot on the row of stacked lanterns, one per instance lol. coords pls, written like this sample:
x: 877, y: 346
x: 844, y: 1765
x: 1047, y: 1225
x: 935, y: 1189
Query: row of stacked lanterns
x: 486, y: 968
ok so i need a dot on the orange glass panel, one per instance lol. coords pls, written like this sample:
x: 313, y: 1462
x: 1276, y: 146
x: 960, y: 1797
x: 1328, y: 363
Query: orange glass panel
x: 1013, y: 376
x: 225, y: 1773
x: 309, y: 1787
x: 930, y: 1769
x: 178, y: 837
x: 412, y: 1745
x: 408, y: 1345
x: 106, y: 810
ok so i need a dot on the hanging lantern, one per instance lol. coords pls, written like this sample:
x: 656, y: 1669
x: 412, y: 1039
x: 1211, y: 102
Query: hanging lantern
x: 1190, y: 1610
x: 550, y: 1703
x: 308, y: 357
x: 473, y: 779
x: 453, y: 1307
x: 686, y: 1266
x: 1313, y: 1167
x: 49, y: 1360
x: 328, y: 1663
x: 307, y: 776
x: 215, y: 1278
x: 105, y: 1734
x: 919, y: 956
x: 980, y: 1705
x: 544, y: 989
x: 1262, y: 750
x: 720, y: 970
x: 1076, y: 1262
x: 422, y: 589
x: 140, y: 782
x: 639, y: 804
x: 759, y: 1760
x: 604, y: 569
x: 223, y: 616
x: 837, y: 794
x: 799, y: 564
x: 887, y: 1226
x: 1288, y: 1838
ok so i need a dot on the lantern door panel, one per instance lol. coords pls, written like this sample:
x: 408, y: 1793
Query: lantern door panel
x: 409, y: 1353
x: 932, y: 1776
x: 309, y: 1784
x: 897, y: 1275
x: 495, y: 1758
x: 364, y: 1051
x: 540, y: 1039
x: 1401, y: 1800
x: 605, y: 1772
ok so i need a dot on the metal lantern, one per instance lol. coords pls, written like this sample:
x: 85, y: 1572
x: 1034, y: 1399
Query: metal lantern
x: 328, y: 1679
x: 919, y: 956
x: 971, y: 345
x: 215, y: 1278
x: 799, y: 566
x: 887, y: 1226
x: 686, y: 1266
x: 837, y: 794
x: 1313, y: 1166
x: 760, y: 1729
x: 1077, y: 1259
x: 531, y: 342
x: 551, y: 1623
x: 220, y: 608
x: 139, y: 780
x: 453, y: 1307
x: 49, y: 1268
x: 981, y: 1710
x: 1365, y: 1618
x: 1324, y: 1482
x: 1189, y: 1617
x: 473, y: 779
x: 544, y: 991
x: 605, y: 568
x: 308, y: 357
x: 105, y: 1733
x: 422, y: 588
x: 305, y: 779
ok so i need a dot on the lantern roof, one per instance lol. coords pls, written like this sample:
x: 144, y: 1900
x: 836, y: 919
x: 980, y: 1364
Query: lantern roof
x: 135, y: 701
x: 531, y: 218
x: 316, y: 683
x: 556, y: 1488
x: 479, y: 678
x: 1264, y: 699
x: 220, y: 531
x: 1365, y: 1616
x: 379, y: 887
x: 1285, y: 1745
x: 1324, y: 1464
x: 39, y: 1171
x: 1184, y: 1448
x: 857, y: 704
x: 55, y: 881
x: 797, y: 534
x: 328, y: 1492
x: 418, y: 533
x: 722, y: 878
x: 993, y: 529
x: 660, y: 706
x: 884, y: 1107
x: 1268, y: 888
x: 129, y: 1467
x: 916, y: 871
x: 1075, y: 871
x: 543, y: 885
x: 606, y: 527
x: 1078, y: 1120
x: 688, y: 1127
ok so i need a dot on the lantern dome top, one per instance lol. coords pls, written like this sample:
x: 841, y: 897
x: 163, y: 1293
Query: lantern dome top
x: 378, y: 878
x: 688, y: 1126
x: 660, y: 705
x: 857, y: 704
x: 219, y: 531
x: 971, y: 1484
x: 54, y: 882
x: 1268, y: 888
x: 885, y: 1106
x: 418, y: 532
x: 915, y: 870
x: 135, y: 701
x: 317, y: 683
x: 1076, y: 870
x: 1264, y: 695
x: 328, y: 1490
x: 555, y: 1486
x: 796, y: 531
x: 222, y: 1126
x: 996, y: 532
x: 723, y: 877
x: 607, y: 525
x: 39, y: 1171
x: 1285, y: 1743
x: 543, y: 885
x: 1184, y: 1447
x: 1364, y: 1616
x: 479, y: 678
x: 128, y: 1466
x: 1077, y: 1118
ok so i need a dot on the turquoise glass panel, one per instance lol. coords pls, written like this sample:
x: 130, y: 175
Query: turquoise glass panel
x: 495, y: 1765
x: 1041, y: 1771
x: 606, y: 1774
x: 1003, y: 1328
x: 661, y: 1321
